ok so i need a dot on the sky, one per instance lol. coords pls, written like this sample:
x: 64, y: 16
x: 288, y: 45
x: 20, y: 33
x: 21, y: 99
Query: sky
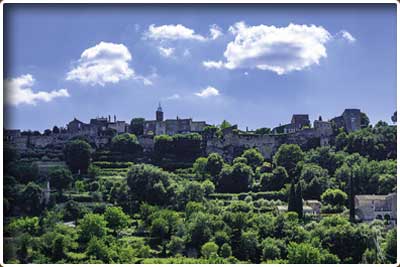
x: 253, y: 65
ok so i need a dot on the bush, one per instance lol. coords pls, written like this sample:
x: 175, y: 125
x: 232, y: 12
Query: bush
x: 126, y: 143
x: 209, y: 249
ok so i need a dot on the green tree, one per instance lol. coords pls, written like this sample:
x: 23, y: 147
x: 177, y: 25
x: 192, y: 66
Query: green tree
x: 31, y: 198
x: 77, y: 155
x: 254, y: 157
x: 58, y: 248
x: 287, y: 156
x: 126, y: 143
x: 299, y: 200
x: 209, y: 249
x: 274, y: 181
x: 137, y: 126
x: 176, y: 245
x: 159, y: 229
x: 303, y: 253
x: 60, y: 178
x: 199, y: 168
x: 316, y: 180
x: 208, y: 187
x: 292, y: 198
x: 226, y: 250
x: 225, y: 124
x: 270, y: 249
x: 199, y: 229
x: 116, y: 218
x: 214, y: 165
x: 250, y: 248
x: 390, y: 247
x: 92, y: 225
x: 235, y: 179
x: 149, y: 183
x: 336, y: 198
x: 98, y: 249
x: 364, y: 120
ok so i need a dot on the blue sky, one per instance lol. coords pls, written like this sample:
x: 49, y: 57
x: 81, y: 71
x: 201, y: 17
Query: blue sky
x: 254, y: 65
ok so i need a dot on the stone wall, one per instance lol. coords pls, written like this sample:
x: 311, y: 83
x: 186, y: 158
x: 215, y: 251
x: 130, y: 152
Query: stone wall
x: 233, y: 144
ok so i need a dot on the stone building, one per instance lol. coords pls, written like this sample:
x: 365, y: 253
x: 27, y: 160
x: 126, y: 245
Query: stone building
x: 376, y: 207
x: 171, y: 126
x: 76, y: 125
x: 298, y: 122
x: 350, y: 120
x: 96, y: 126
x: 10, y: 134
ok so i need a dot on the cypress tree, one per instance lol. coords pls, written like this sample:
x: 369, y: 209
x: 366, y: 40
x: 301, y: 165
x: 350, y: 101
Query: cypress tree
x: 292, y: 198
x: 351, y: 199
x: 299, y: 200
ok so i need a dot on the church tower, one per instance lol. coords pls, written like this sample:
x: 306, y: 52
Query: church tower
x: 159, y: 113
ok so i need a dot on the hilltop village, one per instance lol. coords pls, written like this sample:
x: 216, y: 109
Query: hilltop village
x: 230, y: 143
x: 184, y: 191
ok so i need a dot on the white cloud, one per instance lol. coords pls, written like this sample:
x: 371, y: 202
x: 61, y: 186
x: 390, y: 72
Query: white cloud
x: 103, y: 63
x: 347, y: 36
x: 278, y: 49
x: 213, y: 64
x: 173, y: 97
x: 172, y: 32
x: 215, y: 32
x: 207, y: 92
x: 166, y: 51
x: 19, y: 91
x: 180, y: 32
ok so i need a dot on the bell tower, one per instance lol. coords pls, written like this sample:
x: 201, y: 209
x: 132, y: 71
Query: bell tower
x: 159, y: 113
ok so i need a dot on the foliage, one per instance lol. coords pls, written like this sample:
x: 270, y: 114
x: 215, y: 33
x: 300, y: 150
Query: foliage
x: 77, y: 155
x: 125, y: 143
x: 214, y: 165
x: 92, y: 225
x: 235, y: 179
x: 136, y: 126
x: 151, y: 184
x: 224, y: 124
x: 116, y: 218
x: 60, y: 178
x: 254, y: 157
x: 288, y: 156
x: 390, y: 247
x: 274, y: 181
x: 209, y: 249
x: 335, y: 198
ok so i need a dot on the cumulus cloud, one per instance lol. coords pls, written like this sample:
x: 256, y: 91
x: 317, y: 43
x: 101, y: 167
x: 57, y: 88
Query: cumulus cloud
x: 347, y: 36
x: 215, y: 32
x: 213, y: 64
x: 19, y: 91
x: 103, y: 63
x: 207, y: 92
x: 166, y: 51
x: 277, y: 49
x: 172, y: 32
x: 179, y: 32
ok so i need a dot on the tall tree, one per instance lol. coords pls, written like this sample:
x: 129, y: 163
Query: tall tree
x: 299, y: 200
x: 60, y: 178
x: 351, y: 199
x: 287, y: 156
x: 78, y: 155
x: 137, y: 126
x: 292, y: 198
